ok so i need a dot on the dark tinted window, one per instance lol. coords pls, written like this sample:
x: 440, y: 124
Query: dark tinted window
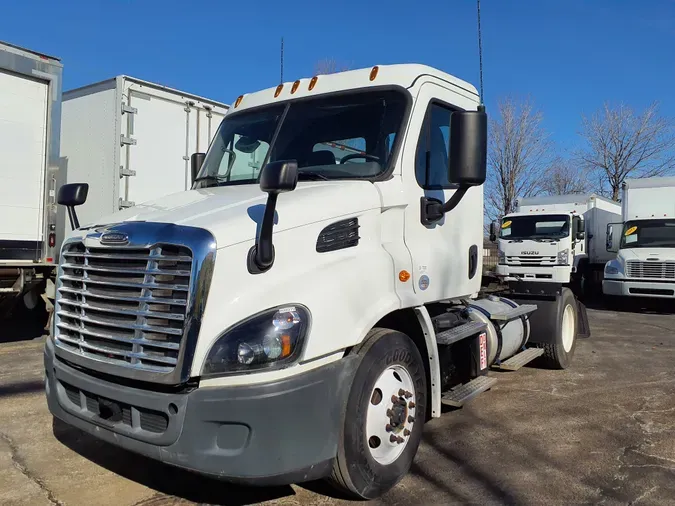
x: 433, y: 148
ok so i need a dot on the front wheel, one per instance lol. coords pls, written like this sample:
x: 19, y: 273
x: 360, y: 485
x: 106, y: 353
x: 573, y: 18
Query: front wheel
x: 384, y: 416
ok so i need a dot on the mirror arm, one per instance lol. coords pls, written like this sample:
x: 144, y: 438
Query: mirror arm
x: 261, y: 254
x: 433, y: 209
x: 72, y: 216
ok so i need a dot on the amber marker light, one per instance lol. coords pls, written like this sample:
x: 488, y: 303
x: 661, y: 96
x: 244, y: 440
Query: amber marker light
x: 238, y: 101
x: 312, y: 83
x: 373, y: 72
x: 403, y: 276
x: 278, y: 91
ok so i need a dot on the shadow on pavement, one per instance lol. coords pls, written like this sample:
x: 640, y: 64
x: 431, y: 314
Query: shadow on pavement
x: 641, y: 305
x: 23, y: 387
x: 161, y: 477
x: 23, y: 325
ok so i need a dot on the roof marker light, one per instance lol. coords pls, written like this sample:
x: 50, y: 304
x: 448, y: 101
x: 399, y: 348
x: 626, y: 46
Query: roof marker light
x: 312, y: 83
x: 295, y: 86
x: 278, y: 90
x: 238, y: 101
x: 373, y: 72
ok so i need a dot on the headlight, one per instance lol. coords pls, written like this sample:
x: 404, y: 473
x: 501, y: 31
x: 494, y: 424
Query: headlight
x: 501, y: 257
x: 273, y: 338
x: 564, y: 257
x: 610, y: 269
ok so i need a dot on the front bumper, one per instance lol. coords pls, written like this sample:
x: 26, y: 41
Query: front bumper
x: 633, y: 288
x: 549, y: 273
x: 265, y: 434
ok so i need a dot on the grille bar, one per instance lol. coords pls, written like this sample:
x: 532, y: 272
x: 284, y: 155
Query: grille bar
x: 133, y: 270
x: 119, y: 338
x: 128, y: 312
x: 119, y: 324
x: 128, y: 256
x: 124, y: 298
x: 116, y: 351
x: 125, y: 284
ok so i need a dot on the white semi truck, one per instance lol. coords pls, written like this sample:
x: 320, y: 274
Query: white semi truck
x: 644, y: 242
x: 30, y: 120
x: 131, y: 140
x: 556, y: 239
x: 303, y: 321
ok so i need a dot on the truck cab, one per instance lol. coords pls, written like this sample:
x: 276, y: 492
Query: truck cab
x: 644, y: 243
x: 301, y: 320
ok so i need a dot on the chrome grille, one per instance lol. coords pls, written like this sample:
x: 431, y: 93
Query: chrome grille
x: 650, y: 269
x: 126, y: 306
x: 531, y: 260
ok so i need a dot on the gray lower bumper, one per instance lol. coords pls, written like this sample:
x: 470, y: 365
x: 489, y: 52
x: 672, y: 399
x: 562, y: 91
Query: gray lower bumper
x: 273, y: 433
x: 634, y: 288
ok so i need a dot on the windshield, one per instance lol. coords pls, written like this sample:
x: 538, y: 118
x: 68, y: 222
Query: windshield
x: 536, y: 227
x: 648, y: 234
x: 331, y: 137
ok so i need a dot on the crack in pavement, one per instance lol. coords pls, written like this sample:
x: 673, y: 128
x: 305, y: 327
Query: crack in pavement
x: 21, y: 466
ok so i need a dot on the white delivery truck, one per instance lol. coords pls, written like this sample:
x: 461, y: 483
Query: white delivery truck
x: 30, y: 119
x: 556, y: 239
x: 131, y: 140
x: 303, y: 321
x: 645, y: 242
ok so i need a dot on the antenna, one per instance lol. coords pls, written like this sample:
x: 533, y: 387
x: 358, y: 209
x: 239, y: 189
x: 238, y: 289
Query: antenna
x: 282, y: 61
x: 480, y: 55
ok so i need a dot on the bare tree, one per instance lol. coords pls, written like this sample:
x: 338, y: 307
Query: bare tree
x: 517, y: 156
x: 329, y: 66
x: 622, y: 144
x: 563, y: 177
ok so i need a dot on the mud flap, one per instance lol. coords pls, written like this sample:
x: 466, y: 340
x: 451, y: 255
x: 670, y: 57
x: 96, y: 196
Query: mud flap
x: 584, y: 329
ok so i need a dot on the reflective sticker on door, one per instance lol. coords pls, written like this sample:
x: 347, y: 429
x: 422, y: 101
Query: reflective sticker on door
x: 482, y: 338
x: 424, y: 282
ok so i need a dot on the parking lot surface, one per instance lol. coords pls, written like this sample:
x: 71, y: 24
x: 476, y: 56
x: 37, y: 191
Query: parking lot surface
x: 601, y: 432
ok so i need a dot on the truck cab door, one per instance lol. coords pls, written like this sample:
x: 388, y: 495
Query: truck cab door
x: 447, y: 255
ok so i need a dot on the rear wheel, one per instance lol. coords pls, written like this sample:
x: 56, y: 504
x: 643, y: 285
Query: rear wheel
x: 559, y: 354
x: 384, y: 416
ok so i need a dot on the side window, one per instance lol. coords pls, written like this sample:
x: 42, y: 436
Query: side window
x: 242, y: 159
x: 433, y: 149
x: 344, y: 147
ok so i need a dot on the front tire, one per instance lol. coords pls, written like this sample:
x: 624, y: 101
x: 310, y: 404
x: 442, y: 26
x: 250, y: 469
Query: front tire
x: 384, y: 416
x: 559, y: 355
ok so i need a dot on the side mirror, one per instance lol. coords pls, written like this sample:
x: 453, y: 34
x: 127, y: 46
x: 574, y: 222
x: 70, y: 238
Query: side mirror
x: 467, y: 161
x: 468, y: 148
x: 275, y: 178
x: 279, y: 177
x: 71, y: 195
x: 578, y: 227
x: 196, y: 162
x: 611, y: 241
x: 493, y: 232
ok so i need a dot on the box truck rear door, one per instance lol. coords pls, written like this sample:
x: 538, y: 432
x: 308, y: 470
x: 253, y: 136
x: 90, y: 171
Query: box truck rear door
x: 23, y: 134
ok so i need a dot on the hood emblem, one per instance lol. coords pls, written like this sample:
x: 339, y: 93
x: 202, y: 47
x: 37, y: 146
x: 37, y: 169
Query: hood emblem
x: 114, y: 238
x: 529, y: 252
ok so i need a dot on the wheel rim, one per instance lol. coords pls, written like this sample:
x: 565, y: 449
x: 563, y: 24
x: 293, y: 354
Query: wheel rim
x: 391, y: 414
x: 568, y: 325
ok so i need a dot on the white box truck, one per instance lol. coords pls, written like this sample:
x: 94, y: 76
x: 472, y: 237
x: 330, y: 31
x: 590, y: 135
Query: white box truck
x: 131, y: 141
x: 556, y: 239
x: 30, y: 120
x: 303, y: 322
x: 644, y: 242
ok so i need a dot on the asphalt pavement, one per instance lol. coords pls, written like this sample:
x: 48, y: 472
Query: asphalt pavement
x: 601, y: 432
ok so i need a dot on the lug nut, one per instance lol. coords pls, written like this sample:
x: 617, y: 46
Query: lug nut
x: 390, y: 413
x: 400, y: 440
x: 411, y: 405
x: 387, y: 428
x: 401, y: 392
x: 406, y: 432
x: 393, y: 439
x: 407, y: 395
x: 411, y: 419
x: 395, y: 399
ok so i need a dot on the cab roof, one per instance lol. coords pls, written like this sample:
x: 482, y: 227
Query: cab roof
x: 403, y: 75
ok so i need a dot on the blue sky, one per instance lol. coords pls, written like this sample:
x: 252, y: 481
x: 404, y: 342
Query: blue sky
x: 568, y: 56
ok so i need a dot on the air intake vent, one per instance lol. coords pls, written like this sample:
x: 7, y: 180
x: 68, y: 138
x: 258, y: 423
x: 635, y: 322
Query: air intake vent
x: 340, y: 235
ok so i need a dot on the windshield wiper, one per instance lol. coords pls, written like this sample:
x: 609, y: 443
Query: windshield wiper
x: 312, y: 176
x: 543, y: 239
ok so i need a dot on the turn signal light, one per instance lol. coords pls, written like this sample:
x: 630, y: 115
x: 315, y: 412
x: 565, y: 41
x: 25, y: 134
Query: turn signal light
x: 312, y: 83
x: 294, y: 88
x: 238, y: 101
x: 278, y: 91
x: 403, y: 276
x: 373, y: 72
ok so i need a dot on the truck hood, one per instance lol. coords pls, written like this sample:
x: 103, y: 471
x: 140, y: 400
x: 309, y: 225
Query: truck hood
x: 647, y: 253
x: 233, y: 214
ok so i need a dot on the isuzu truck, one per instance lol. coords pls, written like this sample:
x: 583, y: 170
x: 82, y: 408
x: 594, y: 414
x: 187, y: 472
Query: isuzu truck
x: 305, y: 320
x: 644, y: 242
x: 556, y: 239
x: 30, y: 125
